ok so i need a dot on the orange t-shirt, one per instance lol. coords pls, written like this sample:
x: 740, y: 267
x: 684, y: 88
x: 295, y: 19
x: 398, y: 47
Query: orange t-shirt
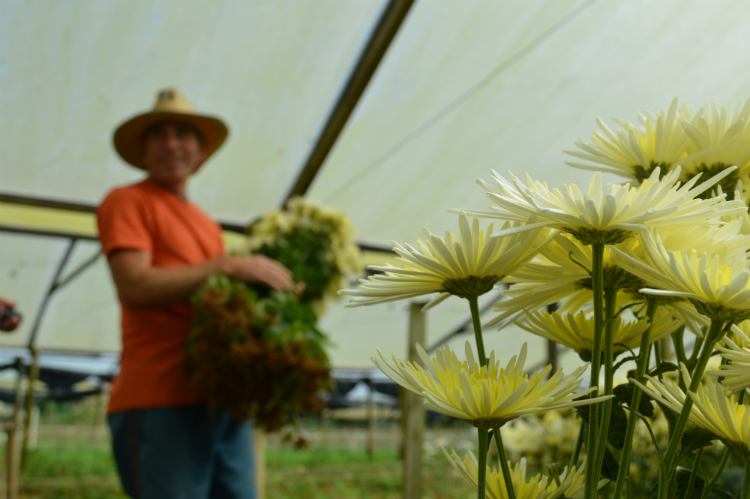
x: 147, y: 217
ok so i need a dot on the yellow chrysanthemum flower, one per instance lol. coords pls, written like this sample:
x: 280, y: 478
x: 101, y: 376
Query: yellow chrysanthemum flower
x: 558, y: 275
x: 741, y: 336
x: 571, y: 482
x: 635, y: 152
x: 469, y: 266
x: 736, y: 373
x: 719, y: 138
x: 717, y: 283
x: 712, y: 409
x: 577, y: 330
x: 486, y: 396
x: 605, y: 214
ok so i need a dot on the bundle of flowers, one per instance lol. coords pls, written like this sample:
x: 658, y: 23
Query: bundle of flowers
x: 663, y: 257
x: 259, y: 352
x: 316, y: 243
x: 258, y: 357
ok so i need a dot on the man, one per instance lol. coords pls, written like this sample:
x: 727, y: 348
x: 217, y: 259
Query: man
x: 160, y: 247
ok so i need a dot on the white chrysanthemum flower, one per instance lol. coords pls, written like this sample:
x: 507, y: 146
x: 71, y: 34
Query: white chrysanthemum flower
x: 712, y: 408
x: 741, y: 332
x: 605, y: 214
x: 717, y: 283
x: 736, y: 373
x: 719, y: 138
x: 635, y: 152
x: 558, y: 275
x: 576, y: 331
x: 469, y: 266
x: 742, y: 216
x: 485, y: 396
x: 571, y: 481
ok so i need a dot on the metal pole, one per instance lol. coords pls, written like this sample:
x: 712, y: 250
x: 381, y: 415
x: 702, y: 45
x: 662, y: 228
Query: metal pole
x: 34, y: 371
x: 381, y: 38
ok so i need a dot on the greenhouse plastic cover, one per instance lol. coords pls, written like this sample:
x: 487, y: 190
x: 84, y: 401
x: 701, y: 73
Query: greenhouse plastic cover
x: 465, y: 87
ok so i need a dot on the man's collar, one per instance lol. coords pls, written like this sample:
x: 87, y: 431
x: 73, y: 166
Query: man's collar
x: 168, y: 188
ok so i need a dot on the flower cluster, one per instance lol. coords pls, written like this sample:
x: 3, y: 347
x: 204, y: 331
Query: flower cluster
x: 664, y: 256
x: 568, y: 485
x: 485, y: 395
x: 316, y: 243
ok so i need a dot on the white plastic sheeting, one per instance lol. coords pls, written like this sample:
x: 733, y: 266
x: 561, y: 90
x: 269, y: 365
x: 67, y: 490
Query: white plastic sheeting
x: 465, y: 87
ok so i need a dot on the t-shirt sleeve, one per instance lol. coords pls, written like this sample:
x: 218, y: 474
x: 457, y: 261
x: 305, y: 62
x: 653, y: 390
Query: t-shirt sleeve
x: 125, y: 222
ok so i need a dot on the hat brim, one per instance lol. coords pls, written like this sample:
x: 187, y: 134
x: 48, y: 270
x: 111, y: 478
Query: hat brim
x: 128, y: 137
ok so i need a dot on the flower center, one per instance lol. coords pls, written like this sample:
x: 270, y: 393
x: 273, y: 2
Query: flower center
x: 728, y: 183
x: 617, y: 278
x: 641, y: 173
x: 470, y: 286
x: 596, y: 236
x: 488, y: 423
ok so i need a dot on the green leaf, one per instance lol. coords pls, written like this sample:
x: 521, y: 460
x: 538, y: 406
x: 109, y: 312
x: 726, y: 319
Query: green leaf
x: 583, y: 411
x: 694, y: 439
x: 624, y: 395
x: 610, y: 466
x: 618, y: 423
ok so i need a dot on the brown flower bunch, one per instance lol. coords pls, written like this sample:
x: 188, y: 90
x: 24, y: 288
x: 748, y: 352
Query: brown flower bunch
x: 259, y: 357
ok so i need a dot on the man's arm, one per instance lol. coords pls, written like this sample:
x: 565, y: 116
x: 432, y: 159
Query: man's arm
x: 141, y: 284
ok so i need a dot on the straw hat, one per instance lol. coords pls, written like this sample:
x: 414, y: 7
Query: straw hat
x: 170, y: 105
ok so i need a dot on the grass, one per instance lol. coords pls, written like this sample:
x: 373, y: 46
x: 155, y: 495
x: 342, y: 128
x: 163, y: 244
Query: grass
x: 78, y: 469
x: 72, y: 461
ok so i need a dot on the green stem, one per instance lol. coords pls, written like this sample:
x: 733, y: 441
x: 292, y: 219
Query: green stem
x: 679, y: 345
x: 504, y: 464
x: 597, y: 285
x: 640, y: 370
x: 579, y: 444
x: 722, y: 463
x: 484, y: 442
x: 745, y: 494
x: 694, y: 472
x: 474, y: 306
x: 714, y: 334
x: 610, y: 299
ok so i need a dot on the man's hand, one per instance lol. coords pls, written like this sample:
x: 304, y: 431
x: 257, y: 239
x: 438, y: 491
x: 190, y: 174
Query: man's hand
x: 10, y: 323
x: 258, y: 268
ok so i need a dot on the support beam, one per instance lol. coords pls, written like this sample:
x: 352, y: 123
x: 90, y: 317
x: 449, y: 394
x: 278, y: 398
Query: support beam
x: 77, y: 207
x: 381, y: 39
x: 413, y: 413
x: 370, y: 418
x: 34, y: 370
x: 45, y: 233
x: 74, y: 207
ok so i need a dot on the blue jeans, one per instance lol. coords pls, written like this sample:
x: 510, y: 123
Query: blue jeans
x: 191, y: 452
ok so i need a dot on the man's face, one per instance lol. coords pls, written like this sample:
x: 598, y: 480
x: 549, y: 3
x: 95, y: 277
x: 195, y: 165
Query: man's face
x: 172, y: 151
